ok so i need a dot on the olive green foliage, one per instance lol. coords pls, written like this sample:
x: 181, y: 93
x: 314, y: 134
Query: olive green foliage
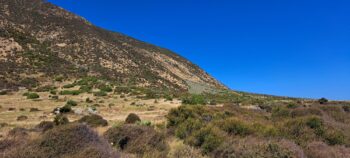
x: 69, y: 86
x: 211, y: 128
x: 60, y: 120
x: 70, y: 92
x: 71, y: 103
x: 93, y: 120
x: 194, y: 100
x: 323, y: 100
x: 100, y: 93
x: 66, y: 109
x: 30, y: 95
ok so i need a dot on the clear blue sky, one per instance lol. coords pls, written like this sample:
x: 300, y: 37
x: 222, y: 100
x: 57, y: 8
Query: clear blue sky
x: 295, y: 48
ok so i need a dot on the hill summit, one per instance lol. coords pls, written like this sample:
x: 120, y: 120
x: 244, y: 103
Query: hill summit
x: 40, y: 41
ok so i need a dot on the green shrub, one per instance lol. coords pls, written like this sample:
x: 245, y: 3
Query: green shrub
x: 59, y: 78
x: 69, y: 86
x: 31, y: 95
x: 106, y: 88
x: 185, y: 129
x: 207, y: 138
x: 53, y: 92
x: 334, y: 137
x: 132, y: 118
x: 194, y: 100
x: 280, y: 112
x: 314, y: 123
x: 144, y: 123
x: 100, y: 93
x: 71, y: 103
x: 3, y: 92
x: 85, y: 88
x: 88, y: 100
x: 323, y: 101
x: 65, y: 109
x: 60, y: 120
x: 72, y: 92
x: 236, y: 127
x: 292, y: 106
x: 93, y: 120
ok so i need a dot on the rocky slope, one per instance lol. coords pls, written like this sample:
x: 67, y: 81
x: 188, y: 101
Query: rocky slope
x: 40, y: 41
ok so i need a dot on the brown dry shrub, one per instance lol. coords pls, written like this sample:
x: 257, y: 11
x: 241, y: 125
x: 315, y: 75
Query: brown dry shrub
x: 322, y: 150
x: 64, y: 141
x: 136, y: 139
x: 255, y: 147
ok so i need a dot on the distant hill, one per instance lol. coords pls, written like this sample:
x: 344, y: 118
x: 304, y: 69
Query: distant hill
x: 40, y: 41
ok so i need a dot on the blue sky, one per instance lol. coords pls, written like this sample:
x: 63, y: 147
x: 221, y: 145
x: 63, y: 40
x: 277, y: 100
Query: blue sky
x: 297, y: 48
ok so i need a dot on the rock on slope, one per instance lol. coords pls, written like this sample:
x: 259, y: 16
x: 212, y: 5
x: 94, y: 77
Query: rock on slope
x: 39, y: 41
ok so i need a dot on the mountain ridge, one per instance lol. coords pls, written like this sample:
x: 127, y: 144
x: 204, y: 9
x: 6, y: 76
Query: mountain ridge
x: 41, y: 39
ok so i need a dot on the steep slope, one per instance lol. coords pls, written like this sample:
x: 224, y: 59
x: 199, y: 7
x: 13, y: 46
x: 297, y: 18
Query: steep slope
x: 39, y: 41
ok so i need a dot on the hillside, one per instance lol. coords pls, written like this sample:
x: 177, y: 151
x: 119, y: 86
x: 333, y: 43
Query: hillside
x: 40, y: 41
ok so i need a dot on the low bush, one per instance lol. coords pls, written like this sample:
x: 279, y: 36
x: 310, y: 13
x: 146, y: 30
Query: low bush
x: 71, y: 103
x: 93, y: 120
x: 69, y: 86
x: 132, y: 118
x: 33, y: 110
x: 3, y: 92
x: 60, y: 120
x: 65, y: 109
x: 31, y: 95
x: 194, y: 100
x: 100, y: 93
x: 22, y: 118
x: 70, y: 92
x: 44, y: 126
x: 323, y: 101
x: 236, y: 127
x: 72, y: 140
x: 137, y: 139
x: 106, y: 88
x: 18, y: 132
x: 85, y: 88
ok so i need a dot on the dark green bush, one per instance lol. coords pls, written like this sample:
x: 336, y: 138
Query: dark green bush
x: 65, y: 109
x: 292, y: 106
x: 71, y: 103
x: 93, y: 120
x: 3, y: 92
x: 208, y: 139
x: 60, y: 120
x: 280, y: 112
x: 100, y: 93
x: 72, y: 92
x: 85, y: 88
x: 314, y: 123
x: 132, y: 118
x: 69, y: 86
x: 106, y: 88
x: 236, y: 127
x: 22, y: 118
x: 31, y: 95
x: 323, y: 101
x: 194, y: 100
x: 334, y: 137
x: 44, y: 126
x: 186, y: 128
